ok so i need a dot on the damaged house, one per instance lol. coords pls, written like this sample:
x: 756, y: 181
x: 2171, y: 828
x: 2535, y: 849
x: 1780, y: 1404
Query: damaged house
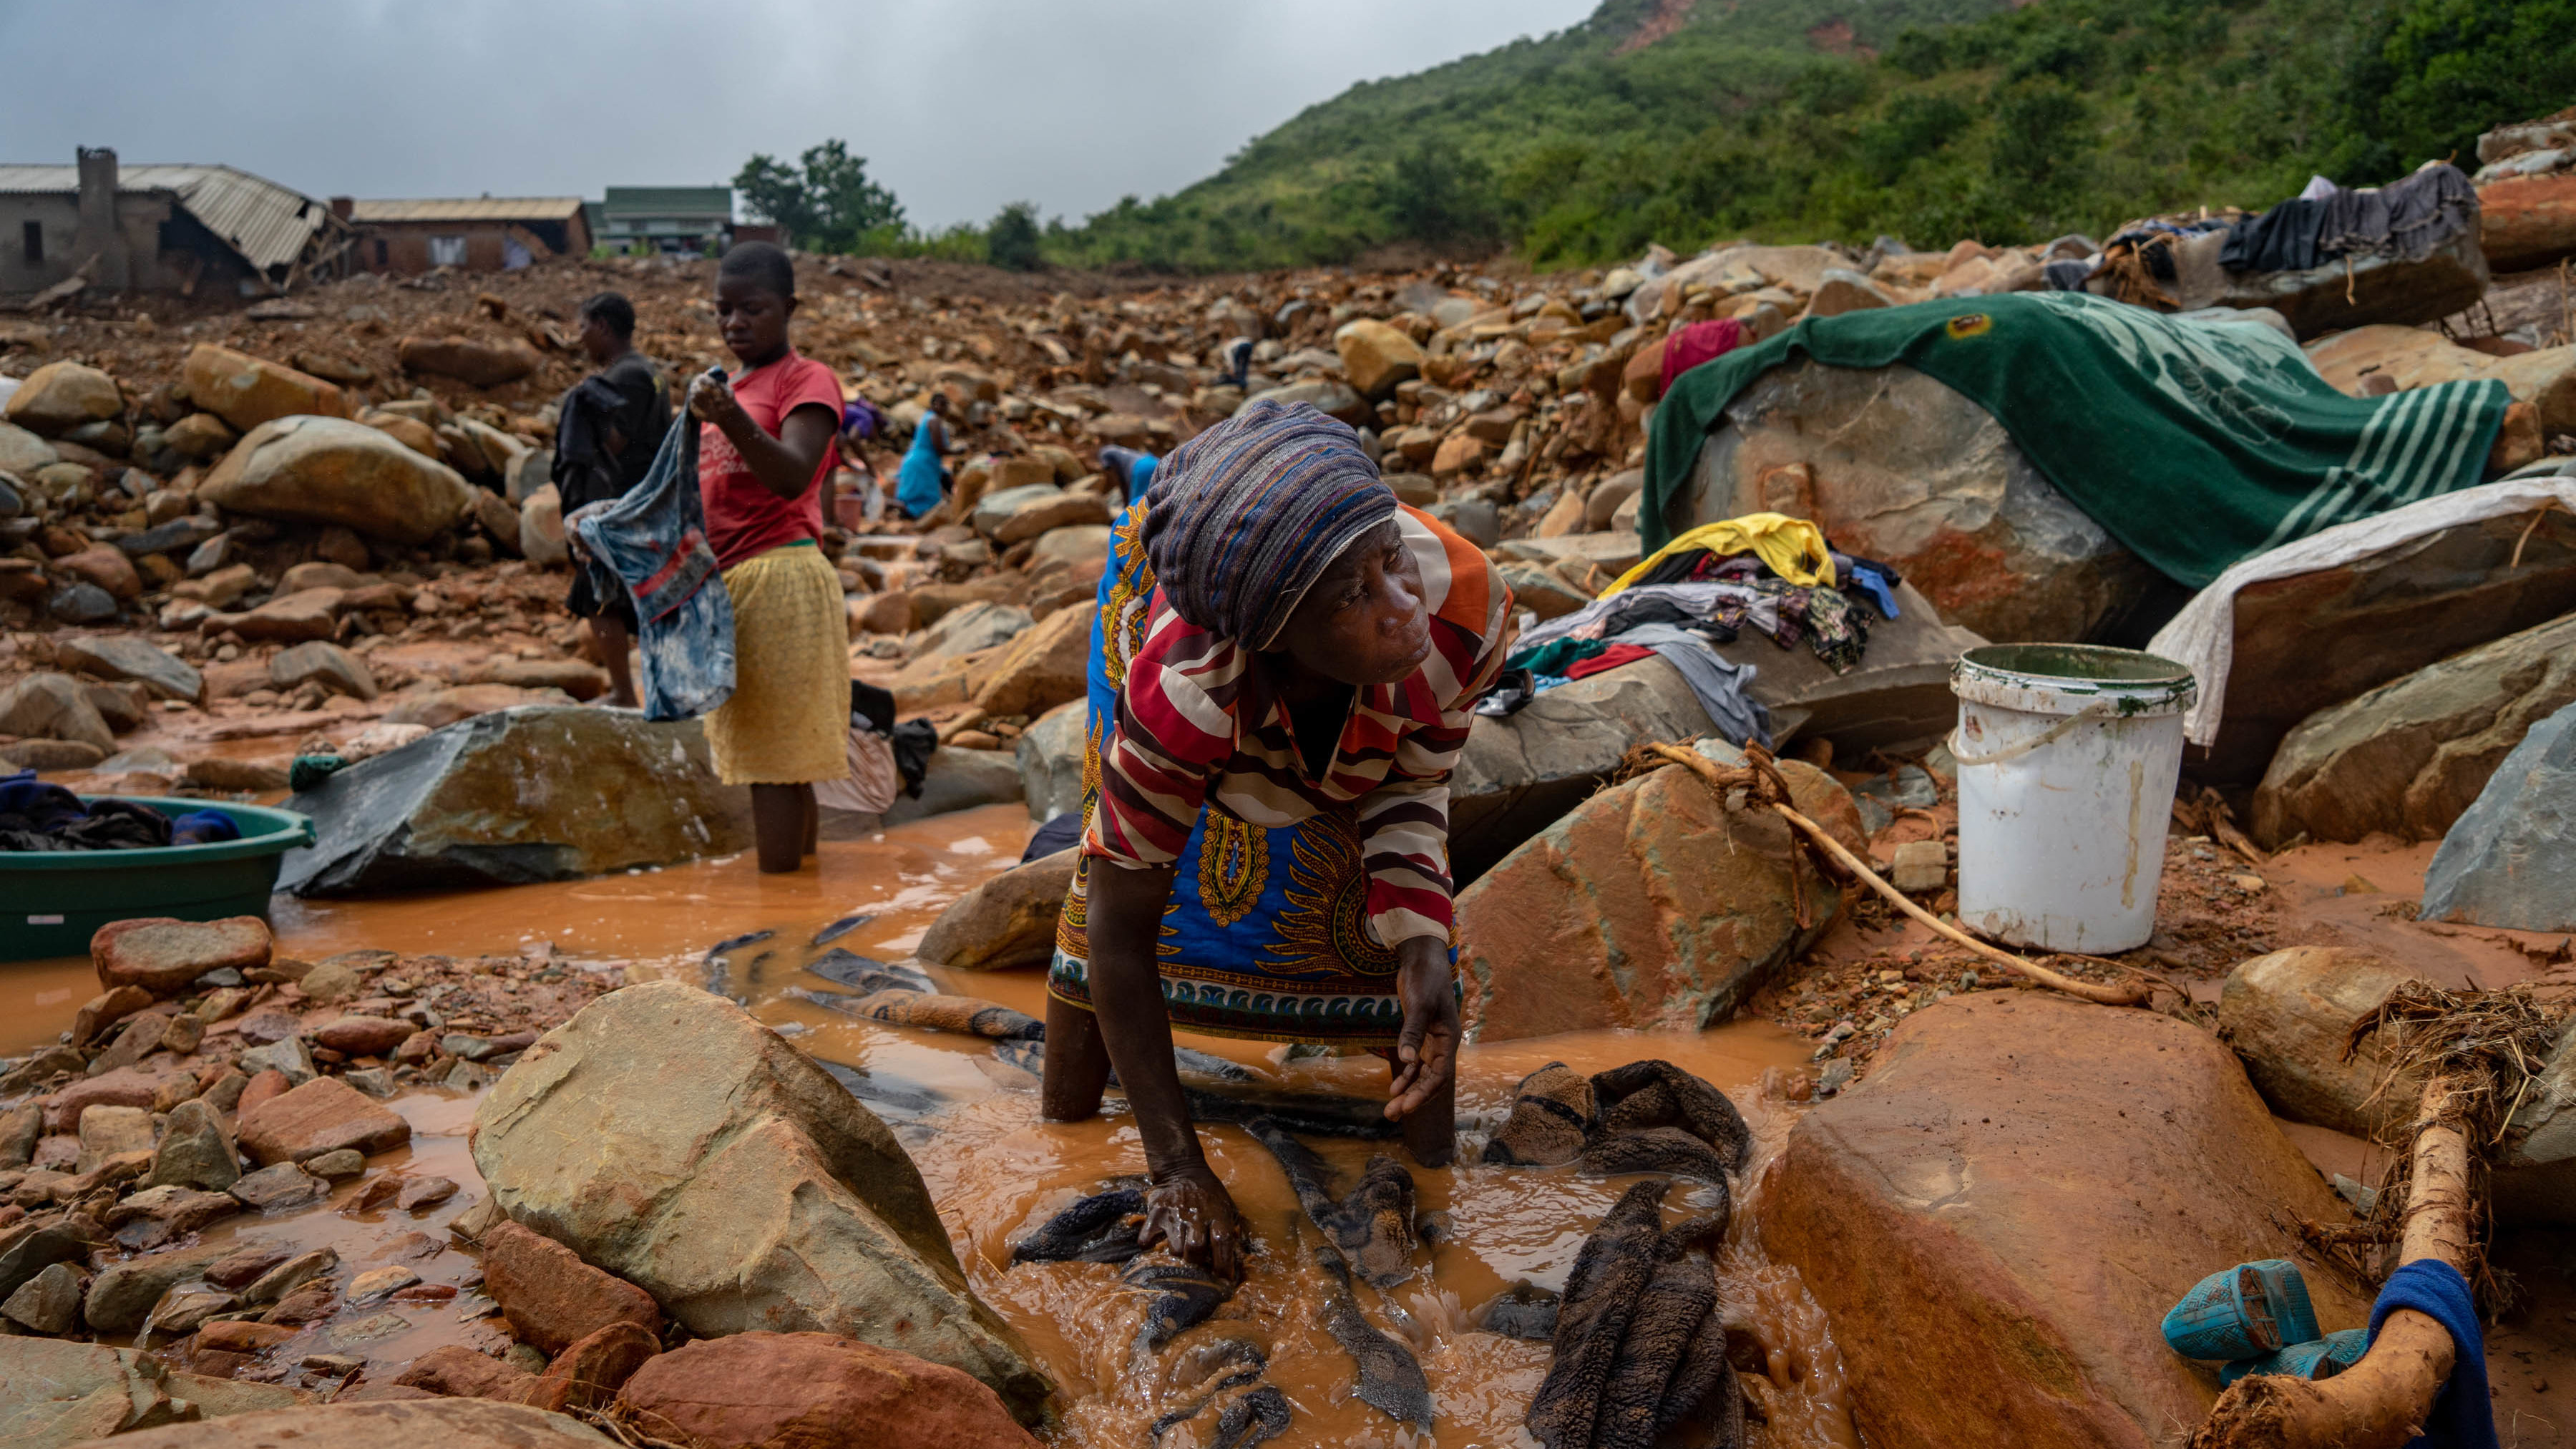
x: 180, y: 229
x: 480, y: 234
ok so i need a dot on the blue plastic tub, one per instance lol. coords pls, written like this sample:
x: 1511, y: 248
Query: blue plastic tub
x: 53, y: 901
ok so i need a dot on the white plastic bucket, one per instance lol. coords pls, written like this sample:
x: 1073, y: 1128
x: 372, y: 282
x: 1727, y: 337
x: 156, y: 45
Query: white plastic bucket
x: 2068, y: 755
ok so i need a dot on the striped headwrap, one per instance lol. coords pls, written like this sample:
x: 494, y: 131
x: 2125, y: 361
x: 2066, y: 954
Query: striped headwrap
x: 1242, y: 519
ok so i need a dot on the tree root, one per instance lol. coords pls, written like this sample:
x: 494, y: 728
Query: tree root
x: 1765, y: 783
x: 2382, y: 1401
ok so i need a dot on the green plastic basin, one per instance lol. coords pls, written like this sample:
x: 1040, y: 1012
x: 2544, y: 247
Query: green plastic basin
x: 53, y: 901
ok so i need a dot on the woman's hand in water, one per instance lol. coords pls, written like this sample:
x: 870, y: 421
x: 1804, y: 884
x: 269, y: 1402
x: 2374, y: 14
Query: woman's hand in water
x: 1189, y: 1211
x: 711, y: 400
x: 1426, y: 1052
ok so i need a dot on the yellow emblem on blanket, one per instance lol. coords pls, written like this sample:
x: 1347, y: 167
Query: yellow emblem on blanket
x: 1969, y: 324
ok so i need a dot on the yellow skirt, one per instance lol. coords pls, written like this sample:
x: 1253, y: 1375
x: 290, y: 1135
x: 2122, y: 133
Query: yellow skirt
x: 788, y: 722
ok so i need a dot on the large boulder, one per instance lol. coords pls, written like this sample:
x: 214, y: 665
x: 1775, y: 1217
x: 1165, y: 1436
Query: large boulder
x: 757, y: 1390
x: 469, y: 360
x: 432, y: 1423
x: 61, y: 396
x: 1041, y: 516
x: 163, y: 957
x: 527, y: 794
x: 1044, y: 666
x: 2356, y: 291
x: 246, y: 391
x: 1651, y: 906
x: 971, y: 628
x: 2511, y: 859
x: 1896, y: 465
x: 2527, y: 221
x: 1007, y: 921
x: 2411, y: 357
x: 755, y: 1194
x: 998, y: 506
x: 55, y: 1393
x: 1899, y: 693
x: 2288, y: 1015
x: 2416, y: 602
x: 1519, y: 774
x: 330, y: 470
x: 53, y: 707
x: 1997, y: 1218
x: 123, y: 656
x: 2535, y: 1174
x: 2409, y: 757
x: 959, y: 779
x: 1376, y: 357
x: 1050, y: 758
x: 22, y: 452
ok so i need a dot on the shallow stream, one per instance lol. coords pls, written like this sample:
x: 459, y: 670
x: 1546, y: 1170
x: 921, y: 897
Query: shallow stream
x: 970, y: 1121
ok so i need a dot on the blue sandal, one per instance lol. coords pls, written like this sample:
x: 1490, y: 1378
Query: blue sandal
x: 2226, y: 1316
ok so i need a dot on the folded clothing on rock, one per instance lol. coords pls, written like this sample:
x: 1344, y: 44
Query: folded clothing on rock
x: 2194, y: 444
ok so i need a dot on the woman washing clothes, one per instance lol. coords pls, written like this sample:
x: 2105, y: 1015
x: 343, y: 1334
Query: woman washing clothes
x: 923, y: 480
x: 763, y: 453
x: 1281, y: 678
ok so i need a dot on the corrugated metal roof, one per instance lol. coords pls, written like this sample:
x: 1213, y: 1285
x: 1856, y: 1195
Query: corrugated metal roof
x: 471, y: 208
x: 669, y: 200
x: 269, y: 224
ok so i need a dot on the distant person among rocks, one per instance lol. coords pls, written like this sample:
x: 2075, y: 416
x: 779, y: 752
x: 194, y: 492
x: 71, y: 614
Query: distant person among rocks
x: 762, y: 457
x: 923, y: 480
x: 607, y: 429
x: 1280, y: 682
x: 1130, y: 470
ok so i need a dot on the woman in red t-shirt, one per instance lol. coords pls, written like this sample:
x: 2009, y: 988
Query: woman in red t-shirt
x: 762, y: 456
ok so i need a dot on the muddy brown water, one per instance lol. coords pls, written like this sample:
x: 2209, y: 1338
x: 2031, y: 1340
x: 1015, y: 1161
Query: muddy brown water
x: 971, y: 1123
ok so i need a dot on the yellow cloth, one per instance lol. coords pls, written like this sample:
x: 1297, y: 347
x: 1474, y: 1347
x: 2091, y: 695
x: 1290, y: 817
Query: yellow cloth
x: 788, y: 722
x: 1793, y: 547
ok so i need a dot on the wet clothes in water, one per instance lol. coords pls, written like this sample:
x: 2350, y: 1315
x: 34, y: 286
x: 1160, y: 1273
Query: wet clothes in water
x: 653, y: 542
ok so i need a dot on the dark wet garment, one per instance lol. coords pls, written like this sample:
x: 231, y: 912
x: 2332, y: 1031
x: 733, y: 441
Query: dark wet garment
x: 1178, y: 1294
x: 1390, y: 1378
x: 1553, y: 1113
x: 1667, y: 1150
x: 1656, y: 1093
x: 1610, y: 1274
x: 1639, y: 1343
x: 866, y: 973
x: 1523, y: 1311
x: 1103, y: 1228
x: 932, y: 1011
x: 1372, y: 1226
x: 1237, y: 1409
x: 1100, y: 1228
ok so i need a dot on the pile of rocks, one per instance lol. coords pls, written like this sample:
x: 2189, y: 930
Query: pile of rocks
x: 212, y: 1079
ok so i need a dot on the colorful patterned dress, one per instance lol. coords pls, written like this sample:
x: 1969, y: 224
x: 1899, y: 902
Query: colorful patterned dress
x: 1290, y: 888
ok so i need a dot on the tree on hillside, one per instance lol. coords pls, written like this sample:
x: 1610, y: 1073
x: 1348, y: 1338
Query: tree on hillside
x: 1012, y: 240
x: 829, y: 205
x: 1439, y: 194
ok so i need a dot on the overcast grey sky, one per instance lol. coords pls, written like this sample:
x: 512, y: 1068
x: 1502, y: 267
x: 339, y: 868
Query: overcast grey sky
x: 959, y: 105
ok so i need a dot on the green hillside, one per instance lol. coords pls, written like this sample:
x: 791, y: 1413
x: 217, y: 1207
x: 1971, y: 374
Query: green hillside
x: 1842, y: 119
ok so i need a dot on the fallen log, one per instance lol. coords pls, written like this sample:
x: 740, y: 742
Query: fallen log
x: 2382, y: 1401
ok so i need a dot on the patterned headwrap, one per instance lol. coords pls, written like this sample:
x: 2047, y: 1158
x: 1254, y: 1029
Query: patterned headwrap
x: 1242, y: 519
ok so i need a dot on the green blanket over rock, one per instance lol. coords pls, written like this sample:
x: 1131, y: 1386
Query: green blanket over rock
x: 2194, y: 443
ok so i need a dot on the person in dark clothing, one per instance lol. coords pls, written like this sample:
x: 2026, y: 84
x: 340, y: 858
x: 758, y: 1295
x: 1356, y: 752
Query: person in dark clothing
x: 610, y: 423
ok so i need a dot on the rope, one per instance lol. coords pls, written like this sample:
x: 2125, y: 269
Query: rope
x: 1760, y: 778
